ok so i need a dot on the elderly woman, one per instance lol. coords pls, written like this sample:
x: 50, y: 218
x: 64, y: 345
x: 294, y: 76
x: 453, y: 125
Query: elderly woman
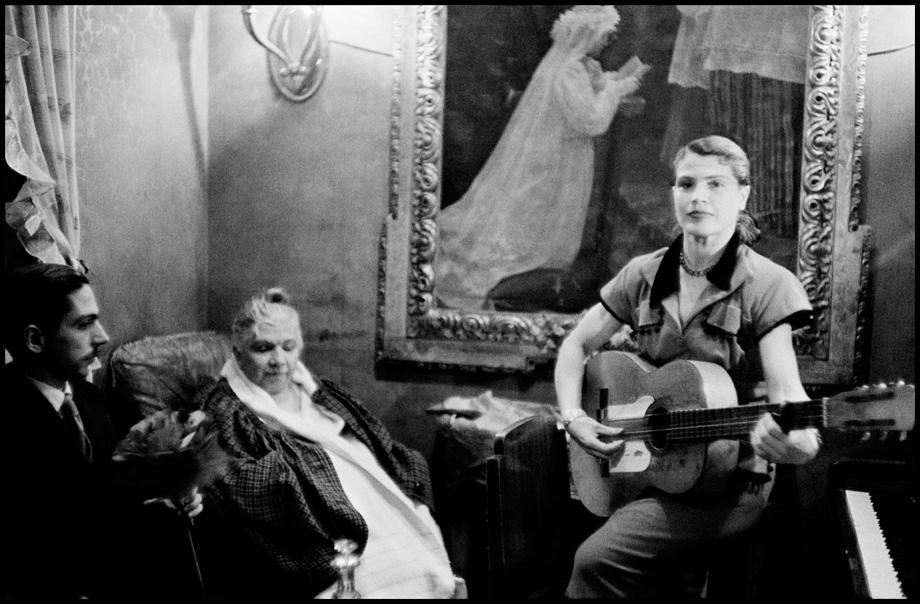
x: 314, y: 467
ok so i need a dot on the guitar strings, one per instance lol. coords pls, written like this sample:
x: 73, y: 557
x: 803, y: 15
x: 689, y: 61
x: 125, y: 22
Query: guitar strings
x: 671, y: 425
x: 692, y: 429
x: 680, y: 422
x: 682, y: 435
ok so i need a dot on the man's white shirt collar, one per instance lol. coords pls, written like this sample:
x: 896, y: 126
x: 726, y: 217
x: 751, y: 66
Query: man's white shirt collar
x: 54, y: 395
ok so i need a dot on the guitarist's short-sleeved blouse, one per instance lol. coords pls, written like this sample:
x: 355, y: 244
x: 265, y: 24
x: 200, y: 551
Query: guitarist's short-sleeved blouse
x: 747, y: 296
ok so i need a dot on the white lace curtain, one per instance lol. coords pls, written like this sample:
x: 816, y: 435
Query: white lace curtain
x: 40, y: 131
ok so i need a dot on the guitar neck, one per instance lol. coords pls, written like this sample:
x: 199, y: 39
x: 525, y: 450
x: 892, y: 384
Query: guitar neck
x: 675, y: 403
x: 695, y: 425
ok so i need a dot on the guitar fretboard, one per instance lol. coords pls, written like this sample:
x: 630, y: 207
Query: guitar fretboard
x: 692, y: 425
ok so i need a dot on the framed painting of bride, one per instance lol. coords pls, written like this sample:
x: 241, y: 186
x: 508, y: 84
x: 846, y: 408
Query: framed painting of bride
x: 531, y: 153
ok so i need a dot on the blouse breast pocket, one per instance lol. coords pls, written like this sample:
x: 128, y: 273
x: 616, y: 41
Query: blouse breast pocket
x: 648, y: 323
x: 724, y: 319
x: 723, y: 327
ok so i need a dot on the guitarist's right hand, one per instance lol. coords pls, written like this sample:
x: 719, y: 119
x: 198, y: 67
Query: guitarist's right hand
x: 595, y: 438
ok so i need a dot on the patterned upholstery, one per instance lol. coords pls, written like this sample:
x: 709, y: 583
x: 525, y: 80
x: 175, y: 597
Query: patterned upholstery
x: 165, y: 372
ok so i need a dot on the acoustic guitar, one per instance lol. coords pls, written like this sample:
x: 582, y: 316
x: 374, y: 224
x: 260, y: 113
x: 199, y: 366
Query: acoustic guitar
x: 681, y: 422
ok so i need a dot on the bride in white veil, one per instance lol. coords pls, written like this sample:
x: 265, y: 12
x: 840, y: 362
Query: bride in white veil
x: 527, y: 206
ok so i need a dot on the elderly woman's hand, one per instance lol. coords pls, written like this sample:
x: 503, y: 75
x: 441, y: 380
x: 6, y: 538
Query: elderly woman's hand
x: 191, y: 504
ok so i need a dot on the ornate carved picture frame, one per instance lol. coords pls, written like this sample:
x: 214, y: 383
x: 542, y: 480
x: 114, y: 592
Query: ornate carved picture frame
x: 832, y: 257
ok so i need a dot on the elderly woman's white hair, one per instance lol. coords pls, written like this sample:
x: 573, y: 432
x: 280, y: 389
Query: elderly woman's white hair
x: 259, y: 310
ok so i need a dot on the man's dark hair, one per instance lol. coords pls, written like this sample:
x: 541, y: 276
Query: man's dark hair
x: 37, y: 295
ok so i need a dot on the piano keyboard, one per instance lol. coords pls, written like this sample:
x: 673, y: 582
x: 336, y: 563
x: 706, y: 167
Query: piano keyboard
x: 880, y: 575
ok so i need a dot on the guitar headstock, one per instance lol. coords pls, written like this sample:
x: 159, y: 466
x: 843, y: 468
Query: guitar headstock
x: 876, y: 408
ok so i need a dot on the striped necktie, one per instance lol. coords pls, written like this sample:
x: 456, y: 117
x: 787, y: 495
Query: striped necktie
x: 74, y: 425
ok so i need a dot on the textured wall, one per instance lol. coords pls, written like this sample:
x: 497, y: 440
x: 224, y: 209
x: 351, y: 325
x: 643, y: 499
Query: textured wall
x: 891, y: 190
x: 141, y: 113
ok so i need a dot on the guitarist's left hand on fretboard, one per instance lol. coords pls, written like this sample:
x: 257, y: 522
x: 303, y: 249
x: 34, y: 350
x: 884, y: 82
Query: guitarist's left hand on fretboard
x: 777, y: 444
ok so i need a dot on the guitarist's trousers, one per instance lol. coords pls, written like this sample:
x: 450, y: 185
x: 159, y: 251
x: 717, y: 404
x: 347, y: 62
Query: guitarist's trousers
x: 657, y: 544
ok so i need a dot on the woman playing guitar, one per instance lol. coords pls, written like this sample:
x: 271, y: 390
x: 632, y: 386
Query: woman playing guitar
x: 707, y: 297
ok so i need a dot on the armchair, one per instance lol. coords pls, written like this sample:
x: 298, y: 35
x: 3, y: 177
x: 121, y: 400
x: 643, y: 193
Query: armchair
x: 164, y: 372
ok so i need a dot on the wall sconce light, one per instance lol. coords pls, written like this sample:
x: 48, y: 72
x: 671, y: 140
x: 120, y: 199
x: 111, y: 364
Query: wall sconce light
x: 298, y: 49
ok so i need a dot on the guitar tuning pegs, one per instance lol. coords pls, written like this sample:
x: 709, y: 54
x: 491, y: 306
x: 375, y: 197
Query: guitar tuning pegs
x: 866, y: 436
x: 902, y: 435
x: 900, y: 383
x: 883, y: 436
x: 864, y: 387
x: 882, y: 385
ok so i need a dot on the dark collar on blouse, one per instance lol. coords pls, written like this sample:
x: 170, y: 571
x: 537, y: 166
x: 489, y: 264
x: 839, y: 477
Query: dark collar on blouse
x: 667, y: 279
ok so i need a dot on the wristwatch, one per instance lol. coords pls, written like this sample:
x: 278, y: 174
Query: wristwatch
x: 570, y: 415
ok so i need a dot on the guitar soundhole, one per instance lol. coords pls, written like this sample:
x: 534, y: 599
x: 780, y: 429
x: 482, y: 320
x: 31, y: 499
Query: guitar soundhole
x: 659, y: 420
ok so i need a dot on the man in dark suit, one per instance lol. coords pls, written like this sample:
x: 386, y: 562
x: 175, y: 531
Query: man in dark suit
x: 66, y: 529
x: 57, y: 437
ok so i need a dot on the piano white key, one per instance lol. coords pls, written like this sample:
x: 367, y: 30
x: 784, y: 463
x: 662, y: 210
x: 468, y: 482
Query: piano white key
x: 881, y: 578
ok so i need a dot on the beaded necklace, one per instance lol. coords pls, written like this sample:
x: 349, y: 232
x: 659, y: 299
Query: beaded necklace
x: 692, y: 271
